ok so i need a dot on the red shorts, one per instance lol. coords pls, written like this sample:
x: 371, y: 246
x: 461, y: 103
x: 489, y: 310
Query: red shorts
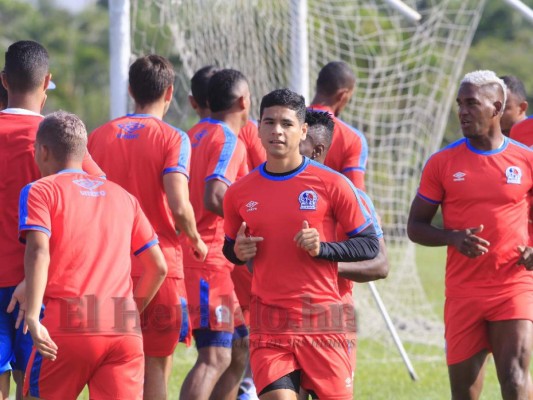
x: 165, y: 322
x: 213, y: 304
x: 466, y: 320
x: 350, y: 326
x: 323, y: 360
x: 242, y: 280
x: 112, y: 366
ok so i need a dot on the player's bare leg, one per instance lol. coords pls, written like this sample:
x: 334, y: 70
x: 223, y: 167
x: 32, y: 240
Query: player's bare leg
x: 466, y: 378
x: 156, y: 375
x: 228, y: 385
x: 202, y: 378
x: 18, y: 377
x: 280, y: 394
x: 4, y: 385
x: 511, y: 343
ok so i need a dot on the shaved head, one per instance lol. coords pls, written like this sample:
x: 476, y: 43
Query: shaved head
x: 333, y: 77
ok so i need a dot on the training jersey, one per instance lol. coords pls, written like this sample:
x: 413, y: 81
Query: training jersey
x: 216, y: 154
x: 255, y: 152
x: 488, y: 188
x: 18, y: 129
x: 135, y: 151
x: 293, y: 292
x: 348, y: 153
x: 346, y: 285
x: 94, y: 225
x: 523, y: 132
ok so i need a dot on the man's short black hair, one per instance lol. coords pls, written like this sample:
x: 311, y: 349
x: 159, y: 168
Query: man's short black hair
x: 334, y: 76
x: 515, y: 86
x: 320, y: 126
x: 26, y: 66
x: 223, y: 89
x: 284, y: 98
x: 200, y: 83
x: 149, y: 77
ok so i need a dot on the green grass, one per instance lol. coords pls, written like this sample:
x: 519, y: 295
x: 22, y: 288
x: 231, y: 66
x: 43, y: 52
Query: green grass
x: 379, y: 378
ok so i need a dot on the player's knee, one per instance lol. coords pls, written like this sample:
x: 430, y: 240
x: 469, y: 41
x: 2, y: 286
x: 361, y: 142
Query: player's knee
x: 239, y: 355
x: 217, y: 358
x: 514, y: 381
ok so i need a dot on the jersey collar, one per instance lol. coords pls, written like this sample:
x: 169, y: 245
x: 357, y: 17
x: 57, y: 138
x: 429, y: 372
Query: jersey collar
x: 502, y: 147
x: 280, y: 177
x: 20, y: 111
x: 72, y: 171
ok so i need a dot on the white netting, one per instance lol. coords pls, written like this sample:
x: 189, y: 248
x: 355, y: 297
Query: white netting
x: 407, y: 77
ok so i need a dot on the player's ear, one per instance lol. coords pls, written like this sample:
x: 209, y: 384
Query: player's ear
x: 47, y: 80
x: 193, y: 103
x: 129, y: 92
x: 3, y: 79
x: 497, y: 107
x: 304, y: 131
x: 169, y: 92
x: 523, y: 107
x: 241, y: 101
x: 318, y: 151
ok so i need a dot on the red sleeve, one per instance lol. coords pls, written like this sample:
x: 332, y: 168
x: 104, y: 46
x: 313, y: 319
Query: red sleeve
x: 255, y: 152
x: 357, y: 177
x: 34, y: 210
x: 232, y: 218
x: 143, y: 235
x: 348, y: 207
x: 355, y: 154
x: 227, y: 159
x: 431, y: 188
x: 90, y: 166
x: 178, y: 154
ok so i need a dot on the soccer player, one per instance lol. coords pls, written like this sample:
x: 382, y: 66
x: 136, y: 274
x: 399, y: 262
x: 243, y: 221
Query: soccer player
x: 516, y: 104
x: 283, y: 216
x: 320, y: 127
x: 26, y: 78
x: 68, y: 219
x: 349, y: 150
x: 218, y: 159
x: 150, y: 159
x: 482, y: 182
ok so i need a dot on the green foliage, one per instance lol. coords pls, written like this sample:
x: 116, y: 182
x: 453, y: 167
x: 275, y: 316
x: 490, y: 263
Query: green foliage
x: 78, y: 48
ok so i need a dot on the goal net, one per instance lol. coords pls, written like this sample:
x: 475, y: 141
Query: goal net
x: 407, y: 75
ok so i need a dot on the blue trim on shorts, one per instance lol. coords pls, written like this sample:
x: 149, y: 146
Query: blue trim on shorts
x: 208, y: 338
x: 184, y: 320
x: 240, y: 332
x: 204, y: 304
x: 35, y: 374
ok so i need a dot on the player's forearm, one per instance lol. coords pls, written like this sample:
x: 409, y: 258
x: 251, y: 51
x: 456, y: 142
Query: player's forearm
x: 185, y: 222
x: 367, y: 271
x: 36, y: 263
x: 229, y: 252
x: 428, y: 235
x: 364, y: 246
x: 155, y: 271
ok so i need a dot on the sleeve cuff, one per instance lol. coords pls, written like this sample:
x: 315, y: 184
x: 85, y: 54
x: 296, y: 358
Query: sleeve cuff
x: 428, y: 199
x: 39, y: 228
x: 151, y: 243
x: 178, y: 169
x: 220, y: 178
x: 367, y: 223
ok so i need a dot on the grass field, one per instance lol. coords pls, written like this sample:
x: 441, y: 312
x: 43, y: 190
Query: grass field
x: 376, y: 379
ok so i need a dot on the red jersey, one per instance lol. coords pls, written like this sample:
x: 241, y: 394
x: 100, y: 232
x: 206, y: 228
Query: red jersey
x: 255, y: 152
x: 18, y: 128
x: 346, y: 285
x: 488, y: 188
x: 136, y: 151
x: 291, y: 291
x: 94, y: 225
x: 348, y: 153
x: 523, y: 132
x: 216, y: 154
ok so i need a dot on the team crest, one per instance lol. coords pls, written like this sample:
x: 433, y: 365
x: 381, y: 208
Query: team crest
x: 514, y: 175
x: 222, y: 314
x: 308, y: 200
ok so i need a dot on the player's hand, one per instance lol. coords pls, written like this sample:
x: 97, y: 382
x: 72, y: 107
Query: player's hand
x: 526, y: 257
x: 308, y: 239
x: 41, y: 339
x: 469, y: 244
x: 19, y: 296
x: 199, y: 249
x: 246, y: 246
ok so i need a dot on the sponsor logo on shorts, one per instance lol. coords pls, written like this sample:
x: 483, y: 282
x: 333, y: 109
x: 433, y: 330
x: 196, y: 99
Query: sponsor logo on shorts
x: 251, y: 206
x: 514, y: 175
x: 308, y: 200
x: 91, y: 186
x: 459, y: 176
x: 129, y: 130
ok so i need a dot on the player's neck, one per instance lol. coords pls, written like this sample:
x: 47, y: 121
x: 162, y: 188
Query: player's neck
x: 55, y: 167
x: 282, y: 165
x: 155, y: 109
x: 231, y: 119
x: 26, y: 101
x: 326, y: 102
x: 493, y: 141
x: 203, y: 113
